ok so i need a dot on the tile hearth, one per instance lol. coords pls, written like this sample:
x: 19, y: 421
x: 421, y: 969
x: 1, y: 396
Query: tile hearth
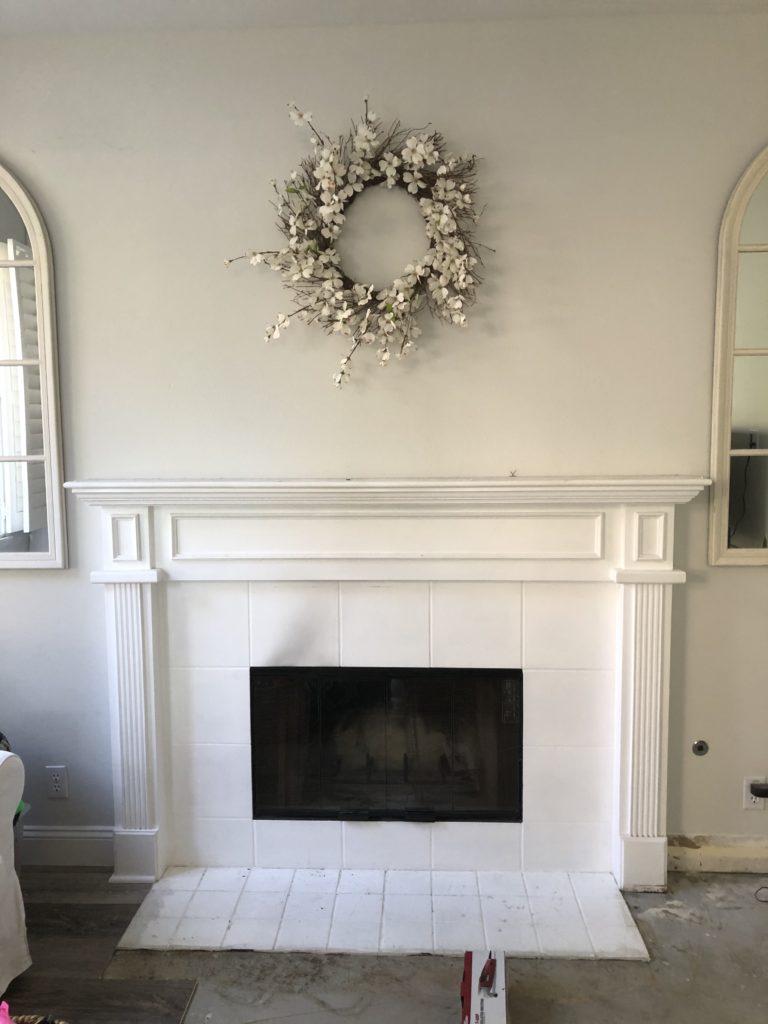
x: 528, y: 914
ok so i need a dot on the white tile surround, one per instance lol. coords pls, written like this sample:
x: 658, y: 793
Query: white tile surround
x: 569, y: 579
x: 568, y: 714
x: 552, y: 914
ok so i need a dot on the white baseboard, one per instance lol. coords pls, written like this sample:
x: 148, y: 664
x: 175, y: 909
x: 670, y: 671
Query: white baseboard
x: 87, y: 846
x: 748, y: 854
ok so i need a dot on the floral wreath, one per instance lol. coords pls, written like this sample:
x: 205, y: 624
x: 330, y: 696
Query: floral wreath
x: 310, y: 208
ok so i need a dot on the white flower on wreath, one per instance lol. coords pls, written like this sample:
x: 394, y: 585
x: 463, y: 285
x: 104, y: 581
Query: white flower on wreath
x: 365, y: 140
x: 388, y: 165
x: 273, y: 331
x: 420, y: 150
x: 414, y: 181
x: 299, y: 117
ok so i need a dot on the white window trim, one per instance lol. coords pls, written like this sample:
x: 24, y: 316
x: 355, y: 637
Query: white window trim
x: 725, y: 332
x: 56, y: 555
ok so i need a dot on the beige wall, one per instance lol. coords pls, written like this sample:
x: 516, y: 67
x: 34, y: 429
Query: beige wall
x: 610, y: 146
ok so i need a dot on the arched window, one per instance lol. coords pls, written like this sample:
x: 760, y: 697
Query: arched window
x: 31, y: 507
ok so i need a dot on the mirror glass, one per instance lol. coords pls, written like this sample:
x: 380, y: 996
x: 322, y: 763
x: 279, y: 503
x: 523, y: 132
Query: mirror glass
x: 11, y: 224
x: 754, y: 227
x: 752, y: 301
x: 748, y: 502
x: 383, y: 232
x: 749, y: 416
x: 18, y: 314
x: 23, y: 508
x: 21, y: 419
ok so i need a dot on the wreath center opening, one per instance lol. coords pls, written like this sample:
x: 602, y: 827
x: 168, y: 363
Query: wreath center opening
x: 383, y: 232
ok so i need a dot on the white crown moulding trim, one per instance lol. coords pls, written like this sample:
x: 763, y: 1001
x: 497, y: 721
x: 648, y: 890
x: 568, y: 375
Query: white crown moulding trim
x: 482, y: 496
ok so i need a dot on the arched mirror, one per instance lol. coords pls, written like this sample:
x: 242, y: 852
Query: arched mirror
x: 738, y: 533
x: 31, y: 506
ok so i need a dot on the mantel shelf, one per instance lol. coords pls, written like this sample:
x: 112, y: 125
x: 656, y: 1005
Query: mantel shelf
x: 435, y: 494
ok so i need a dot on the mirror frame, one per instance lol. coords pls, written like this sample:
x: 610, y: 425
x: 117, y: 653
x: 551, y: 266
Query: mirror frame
x: 56, y: 555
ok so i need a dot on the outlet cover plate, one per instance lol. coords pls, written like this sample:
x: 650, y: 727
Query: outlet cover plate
x: 749, y: 802
x: 58, y: 781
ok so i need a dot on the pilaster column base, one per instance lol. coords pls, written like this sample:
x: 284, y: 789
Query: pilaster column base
x: 137, y: 855
x: 643, y: 864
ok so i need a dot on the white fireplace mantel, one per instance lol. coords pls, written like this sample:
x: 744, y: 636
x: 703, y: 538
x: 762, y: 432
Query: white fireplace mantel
x: 615, y: 530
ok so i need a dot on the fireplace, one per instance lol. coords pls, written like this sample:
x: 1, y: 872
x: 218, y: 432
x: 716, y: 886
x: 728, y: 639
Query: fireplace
x: 570, y: 579
x: 397, y: 744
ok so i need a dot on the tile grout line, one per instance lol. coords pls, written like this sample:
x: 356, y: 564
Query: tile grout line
x: 530, y: 911
x: 433, y: 919
x: 237, y: 901
x: 250, y: 632
x: 486, y: 934
x: 339, y: 630
x: 285, y: 904
x: 333, y: 909
x: 430, y: 623
x: 582, y: 915
x: 522, y: 634
x: 381, y: 915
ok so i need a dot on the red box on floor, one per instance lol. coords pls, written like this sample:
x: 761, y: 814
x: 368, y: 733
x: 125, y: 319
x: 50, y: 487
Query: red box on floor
x: 483, y: 991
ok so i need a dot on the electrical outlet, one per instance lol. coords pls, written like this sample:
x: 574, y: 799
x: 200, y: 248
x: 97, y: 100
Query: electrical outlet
x: 749, y: 802
x: 58, y: 781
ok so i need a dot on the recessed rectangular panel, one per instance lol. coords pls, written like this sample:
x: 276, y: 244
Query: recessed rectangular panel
x: 126, y: 538
x: 395, y: 744
x: 533, y: 535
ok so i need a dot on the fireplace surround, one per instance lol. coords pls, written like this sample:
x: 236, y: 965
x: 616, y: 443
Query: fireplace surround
x: 569, y: 578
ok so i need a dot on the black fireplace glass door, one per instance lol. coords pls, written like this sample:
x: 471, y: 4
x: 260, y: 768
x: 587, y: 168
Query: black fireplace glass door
x: 408, y: 744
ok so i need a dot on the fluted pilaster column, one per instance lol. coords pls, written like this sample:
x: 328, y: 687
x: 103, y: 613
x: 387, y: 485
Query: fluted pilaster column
x: 133, y: 712
x: 640, y: 858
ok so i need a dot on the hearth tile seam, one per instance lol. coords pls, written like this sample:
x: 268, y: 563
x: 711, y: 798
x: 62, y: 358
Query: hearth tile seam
x: 282, y: 912
x: 335, y: 894
x: 488, y: 942
x: 381, y: 915
x: 243, y: 890
x: 433, y: 916
x: 530, y: 911
x: 488, y: 938
x: 582, y: 915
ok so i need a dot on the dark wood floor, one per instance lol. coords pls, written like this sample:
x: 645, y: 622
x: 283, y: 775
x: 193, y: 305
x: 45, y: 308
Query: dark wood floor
x: 74, y: 920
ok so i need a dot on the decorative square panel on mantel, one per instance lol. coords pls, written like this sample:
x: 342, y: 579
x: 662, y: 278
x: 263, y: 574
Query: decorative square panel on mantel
x: 560, y: 574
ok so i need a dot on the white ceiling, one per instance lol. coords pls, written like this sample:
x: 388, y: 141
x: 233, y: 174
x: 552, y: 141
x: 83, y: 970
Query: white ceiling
x: 55, y: 16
